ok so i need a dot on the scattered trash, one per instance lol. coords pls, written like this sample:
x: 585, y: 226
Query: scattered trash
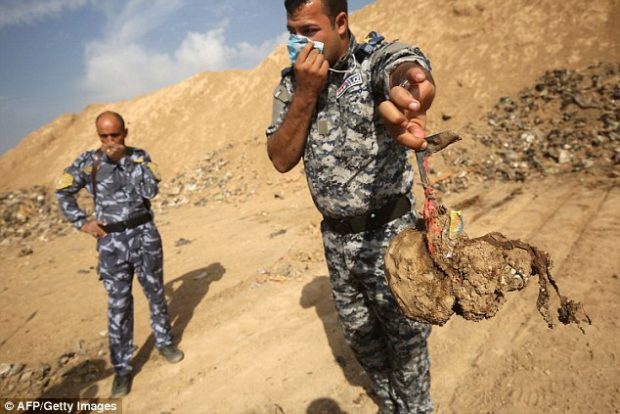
x: 567, y: 122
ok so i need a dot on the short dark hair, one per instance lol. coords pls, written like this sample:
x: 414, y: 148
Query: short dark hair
x: 116, y: 115
x: 331, y: 7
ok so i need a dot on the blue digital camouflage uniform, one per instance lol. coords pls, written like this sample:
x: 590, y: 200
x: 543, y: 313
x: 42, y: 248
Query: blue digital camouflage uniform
x: 123, y: 191
x: 352, y: 167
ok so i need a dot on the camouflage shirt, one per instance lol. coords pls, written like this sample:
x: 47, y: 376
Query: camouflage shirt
x: 123, y: 188
x: 352, y: 165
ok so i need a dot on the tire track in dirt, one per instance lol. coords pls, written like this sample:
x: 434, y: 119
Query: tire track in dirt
x: 500, y: 216
x: 529, y: 378
x: 449, y: 367
x: 565, y: 226
x: 592, y: 269
x: 510, y: 217
x: 600, y: 226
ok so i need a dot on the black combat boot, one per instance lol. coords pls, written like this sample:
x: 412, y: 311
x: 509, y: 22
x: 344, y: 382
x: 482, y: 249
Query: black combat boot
x: 171, y: 353
x: 121, y: 385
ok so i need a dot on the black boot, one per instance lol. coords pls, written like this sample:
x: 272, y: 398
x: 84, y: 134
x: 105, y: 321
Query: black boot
x: 171, y: 353
x: 121, y: 385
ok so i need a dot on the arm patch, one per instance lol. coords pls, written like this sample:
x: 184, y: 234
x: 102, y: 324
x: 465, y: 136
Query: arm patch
x: 154, y: 169
x: 281, y: 98
x: 65, y: 181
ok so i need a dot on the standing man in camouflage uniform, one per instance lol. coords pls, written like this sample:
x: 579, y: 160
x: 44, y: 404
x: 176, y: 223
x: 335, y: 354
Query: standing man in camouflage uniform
x: 121, y: 180
x: 352, y: 112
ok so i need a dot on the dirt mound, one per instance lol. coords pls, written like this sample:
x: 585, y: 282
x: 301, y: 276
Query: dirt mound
x: 221, y: 176
x: 478, y: 52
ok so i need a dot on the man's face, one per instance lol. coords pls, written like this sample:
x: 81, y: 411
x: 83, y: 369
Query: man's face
x: 311, y: 21
x: 110, y: 131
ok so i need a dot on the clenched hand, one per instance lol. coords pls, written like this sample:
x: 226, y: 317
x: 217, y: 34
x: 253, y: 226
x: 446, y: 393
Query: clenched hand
x: 404, y: 114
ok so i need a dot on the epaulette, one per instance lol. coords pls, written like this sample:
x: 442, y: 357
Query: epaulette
x: 286, y: 71
x: 364, y: 49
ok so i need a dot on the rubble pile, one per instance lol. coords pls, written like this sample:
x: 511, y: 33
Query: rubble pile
x: 569, y: 121
x: 29, y: 213
x: 217, y: 177
x: 72, y: 369
x: 17, y: 379
x: 33, y: 213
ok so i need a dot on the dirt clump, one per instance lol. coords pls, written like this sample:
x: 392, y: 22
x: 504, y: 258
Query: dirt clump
x: 434, y: 275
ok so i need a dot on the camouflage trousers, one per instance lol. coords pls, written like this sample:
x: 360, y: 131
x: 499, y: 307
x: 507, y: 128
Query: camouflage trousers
x: 391, y: 348
x: 121, y: 255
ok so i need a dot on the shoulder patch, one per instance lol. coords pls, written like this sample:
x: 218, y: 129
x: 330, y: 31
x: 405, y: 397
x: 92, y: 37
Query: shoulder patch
x: 370, y: 43
x: 87, y: 170
x: 138, y: 160
x: 65, y: 181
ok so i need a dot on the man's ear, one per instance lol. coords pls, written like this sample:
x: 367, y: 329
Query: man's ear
x: 126, y: 132
x: 342, y: 23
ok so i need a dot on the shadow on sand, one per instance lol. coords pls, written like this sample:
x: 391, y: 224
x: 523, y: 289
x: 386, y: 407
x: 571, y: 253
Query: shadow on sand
x: 318, y: 294
x: 324, y: 406
x: 185, y: 294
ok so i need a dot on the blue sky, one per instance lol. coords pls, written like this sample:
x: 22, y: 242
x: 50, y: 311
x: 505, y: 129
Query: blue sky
x: 58, y: 56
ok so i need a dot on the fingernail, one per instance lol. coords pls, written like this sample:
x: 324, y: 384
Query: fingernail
x: 414, y: 106
x: 424, y: 145
x: 419, y: 76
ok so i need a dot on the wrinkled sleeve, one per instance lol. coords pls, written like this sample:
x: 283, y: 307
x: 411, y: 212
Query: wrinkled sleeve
x: 282, y: 97
x: 149, y: 184
x: 388, y: 58
x: 72, y: 180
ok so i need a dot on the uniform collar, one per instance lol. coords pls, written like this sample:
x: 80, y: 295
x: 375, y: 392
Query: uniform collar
x: 122, y: 162
x: 347, y: 59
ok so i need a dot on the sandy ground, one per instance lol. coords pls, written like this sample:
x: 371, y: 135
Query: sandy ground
x: 249, y: 295
x: 260, y: 341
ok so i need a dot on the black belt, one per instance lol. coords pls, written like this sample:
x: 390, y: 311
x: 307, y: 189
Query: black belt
x: 371, y: 220
x: 130, y: 223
